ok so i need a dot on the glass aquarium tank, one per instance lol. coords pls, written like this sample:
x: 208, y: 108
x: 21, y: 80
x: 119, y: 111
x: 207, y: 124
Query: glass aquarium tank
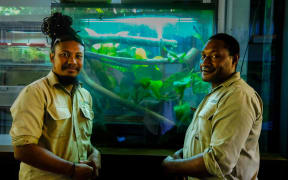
x: 24, y: 52
x: 142, y: 70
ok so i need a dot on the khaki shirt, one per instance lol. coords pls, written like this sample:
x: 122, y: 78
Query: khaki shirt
x: 45, y: 113
x: 226, y: 127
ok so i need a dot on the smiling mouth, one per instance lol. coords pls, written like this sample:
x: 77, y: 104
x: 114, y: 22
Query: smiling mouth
x: 206, y: 71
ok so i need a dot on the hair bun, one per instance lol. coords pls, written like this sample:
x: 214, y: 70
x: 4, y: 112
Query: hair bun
x: 56, y: 25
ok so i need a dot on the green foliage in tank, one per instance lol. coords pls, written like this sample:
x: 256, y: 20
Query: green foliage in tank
x: 144, y: 84
x: 21, y: 54
x: 134, y: 75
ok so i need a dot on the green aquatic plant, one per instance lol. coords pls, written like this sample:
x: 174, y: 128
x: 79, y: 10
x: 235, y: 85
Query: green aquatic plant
x: 198, y: 85
x: 177, y: 83
x: 111, y: 95
x: 101, y: 71
x: 152, y: 85
x: 183, y: 113
x: 25, y: 54
x: 181, y: 85
x: 143, y: 83
x: 174, y: 57
x: 22, y: 10
x: 146, y: 83
x: 105, y: 48
x: 125, y: 52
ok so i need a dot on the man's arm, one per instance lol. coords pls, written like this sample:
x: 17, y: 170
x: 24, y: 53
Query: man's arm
x: 41, y: 158
x: 193, y: 166
x: 94, y: 155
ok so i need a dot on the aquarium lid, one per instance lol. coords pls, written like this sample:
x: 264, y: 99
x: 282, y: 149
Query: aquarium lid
x: 136, y: 1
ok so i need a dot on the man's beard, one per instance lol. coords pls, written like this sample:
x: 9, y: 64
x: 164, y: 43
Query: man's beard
x: 67, y: 80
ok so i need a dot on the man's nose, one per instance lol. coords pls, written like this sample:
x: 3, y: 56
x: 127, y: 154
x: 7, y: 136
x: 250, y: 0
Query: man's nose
x: 72, y: 60
x: 206, y: 60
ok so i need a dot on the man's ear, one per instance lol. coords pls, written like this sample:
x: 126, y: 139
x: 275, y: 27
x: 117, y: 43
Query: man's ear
x: 52, y: 55
x: 236, y: 59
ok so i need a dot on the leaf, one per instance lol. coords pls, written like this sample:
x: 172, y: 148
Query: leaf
x: 183, y: 113
x: 141, y: 71
x: 183, y: 82
x: 175, y: 77
x: 181, y: 57
x: 99, y: 10
x: 155, y: 87
x: 145, y: 82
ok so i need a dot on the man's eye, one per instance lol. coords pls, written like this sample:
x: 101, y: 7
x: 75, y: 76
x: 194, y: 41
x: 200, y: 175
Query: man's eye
x: 215, y: 57
x: 79, y: 56
x: 203, y: 57
x: 65, y: 54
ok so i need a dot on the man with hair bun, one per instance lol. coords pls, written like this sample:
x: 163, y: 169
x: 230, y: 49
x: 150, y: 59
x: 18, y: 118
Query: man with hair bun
x: 222, y: 140
x: 53, y: 117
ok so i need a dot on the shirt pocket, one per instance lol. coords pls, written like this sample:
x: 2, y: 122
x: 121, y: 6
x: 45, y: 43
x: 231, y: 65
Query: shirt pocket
x: 58, y: 122
x: 205, y: 122
x: 86, y: 119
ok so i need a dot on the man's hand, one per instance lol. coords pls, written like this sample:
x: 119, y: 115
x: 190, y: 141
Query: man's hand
x: 166, y: 162
x: 48, y: 161
x: 178, y: 154
x: 193, y: 166
x: 94, y: 160
x: 82, y: 171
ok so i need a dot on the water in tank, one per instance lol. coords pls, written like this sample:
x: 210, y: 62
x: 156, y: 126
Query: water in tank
x: 142, y: 70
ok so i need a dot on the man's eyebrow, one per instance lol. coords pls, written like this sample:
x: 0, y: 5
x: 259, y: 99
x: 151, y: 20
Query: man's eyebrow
x: 212, y: 51
x: 64, y: 50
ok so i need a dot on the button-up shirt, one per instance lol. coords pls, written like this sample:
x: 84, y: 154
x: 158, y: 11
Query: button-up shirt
x: 226, y: 127
x: 48, y: 115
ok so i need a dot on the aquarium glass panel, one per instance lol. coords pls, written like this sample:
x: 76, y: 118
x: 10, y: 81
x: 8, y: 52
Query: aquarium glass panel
x: 264, y: 68
x: 142, y: 69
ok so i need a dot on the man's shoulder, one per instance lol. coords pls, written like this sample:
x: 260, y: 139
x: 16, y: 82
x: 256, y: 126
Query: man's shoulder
x: 37, y: 84
x: 234, y: 89
x: 243, y: 86
x: 239, y: 89
x: 30, y: 92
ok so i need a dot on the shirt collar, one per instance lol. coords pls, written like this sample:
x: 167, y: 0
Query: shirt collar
x: 235, y: 77
x: 52, y: 79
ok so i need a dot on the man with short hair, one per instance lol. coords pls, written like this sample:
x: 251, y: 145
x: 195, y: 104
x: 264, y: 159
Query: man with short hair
x: 222, y: 140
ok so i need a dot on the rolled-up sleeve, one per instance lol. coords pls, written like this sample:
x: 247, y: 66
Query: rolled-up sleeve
x: 211, y: 163
x: 231, y: 125
x: 27, y: 112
